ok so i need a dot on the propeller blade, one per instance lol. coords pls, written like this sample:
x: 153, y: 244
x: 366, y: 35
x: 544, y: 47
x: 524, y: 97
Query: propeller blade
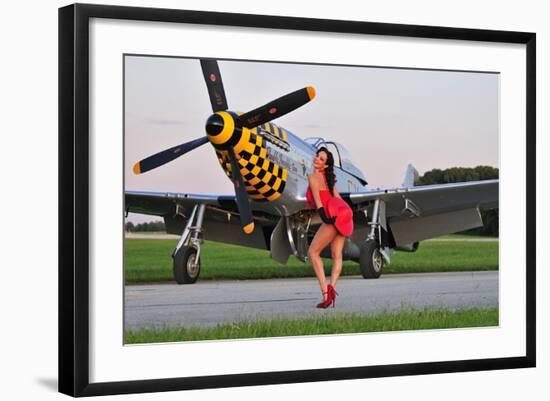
x: 247, y: 222
x: 277, y: 108
x: 167, y: 155
x: 214, y: 84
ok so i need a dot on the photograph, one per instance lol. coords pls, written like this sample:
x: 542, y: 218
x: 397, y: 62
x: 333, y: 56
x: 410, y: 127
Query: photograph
x: 267, y: 199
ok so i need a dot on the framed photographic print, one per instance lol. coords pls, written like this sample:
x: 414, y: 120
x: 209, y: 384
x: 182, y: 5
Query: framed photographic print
x: 323, y: 184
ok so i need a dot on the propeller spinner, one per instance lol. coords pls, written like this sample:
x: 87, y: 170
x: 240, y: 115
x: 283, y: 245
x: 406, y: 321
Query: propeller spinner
x: 224, y: 130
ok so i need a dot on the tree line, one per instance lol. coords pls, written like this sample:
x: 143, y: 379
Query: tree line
x: 458, y: 174
x: 461, y: 174
x: 145, y: 227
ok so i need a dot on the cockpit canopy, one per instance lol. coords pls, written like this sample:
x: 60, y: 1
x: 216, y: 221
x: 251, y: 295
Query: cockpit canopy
x: 342, y: 157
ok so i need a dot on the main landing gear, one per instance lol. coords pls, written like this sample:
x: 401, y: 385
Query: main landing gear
x: 373, y: 257
x: 186, y: 256
x: 371, y: 262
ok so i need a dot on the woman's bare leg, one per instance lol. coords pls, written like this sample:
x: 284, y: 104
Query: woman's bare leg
x: 336, y: 247
x: 323, y: 237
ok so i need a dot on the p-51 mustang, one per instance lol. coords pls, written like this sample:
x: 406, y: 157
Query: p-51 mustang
x: 269, y: 168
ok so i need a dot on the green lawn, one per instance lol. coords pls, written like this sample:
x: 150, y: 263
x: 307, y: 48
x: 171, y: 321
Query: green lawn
x: 149, y: 260
x: 469, y: 237
x: 347, y: 323
x: 148, y: 232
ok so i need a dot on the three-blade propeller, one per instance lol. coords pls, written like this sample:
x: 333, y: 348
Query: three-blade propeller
x: 251, y: 119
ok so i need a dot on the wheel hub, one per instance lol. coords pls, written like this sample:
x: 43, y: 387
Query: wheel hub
x: 192, y: 266
x: 377, y: 260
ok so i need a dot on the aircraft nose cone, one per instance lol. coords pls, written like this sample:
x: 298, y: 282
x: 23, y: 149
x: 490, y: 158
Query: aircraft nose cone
x: 214, y: 125
x: 221, y: 130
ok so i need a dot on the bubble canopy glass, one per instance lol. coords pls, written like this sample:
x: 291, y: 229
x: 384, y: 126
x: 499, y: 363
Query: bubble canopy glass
x: 342, y: 158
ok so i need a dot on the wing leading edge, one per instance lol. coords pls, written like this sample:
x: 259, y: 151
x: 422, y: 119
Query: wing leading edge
x: 433, y: 199
x: 166, y: 203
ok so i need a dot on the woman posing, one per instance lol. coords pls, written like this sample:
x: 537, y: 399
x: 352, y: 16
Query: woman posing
x: 322, y: 195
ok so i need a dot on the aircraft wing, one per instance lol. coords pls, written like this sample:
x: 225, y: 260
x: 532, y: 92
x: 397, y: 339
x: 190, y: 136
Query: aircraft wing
x: 165, y: 203
x: 422, y: 212
x: 221, y: 217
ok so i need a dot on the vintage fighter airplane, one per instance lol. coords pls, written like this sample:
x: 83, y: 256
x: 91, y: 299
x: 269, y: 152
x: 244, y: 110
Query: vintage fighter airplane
x: 269, y: 166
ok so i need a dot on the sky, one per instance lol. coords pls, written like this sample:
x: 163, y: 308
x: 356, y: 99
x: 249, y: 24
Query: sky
x: 386, y: 117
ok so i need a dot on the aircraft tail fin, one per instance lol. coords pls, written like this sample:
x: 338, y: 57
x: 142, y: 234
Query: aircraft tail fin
x: 411, y: 177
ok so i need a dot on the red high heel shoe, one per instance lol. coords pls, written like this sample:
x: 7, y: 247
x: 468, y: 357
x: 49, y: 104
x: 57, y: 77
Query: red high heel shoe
x: 331, y: 298
x: 326, y: 302
x: 332, y: 294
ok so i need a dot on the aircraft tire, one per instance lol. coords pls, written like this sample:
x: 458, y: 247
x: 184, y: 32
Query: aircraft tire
x: 184, y: 267
x: 371, y: 262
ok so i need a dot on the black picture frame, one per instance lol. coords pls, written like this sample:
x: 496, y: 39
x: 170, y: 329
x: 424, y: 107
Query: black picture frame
x: 74, y: 198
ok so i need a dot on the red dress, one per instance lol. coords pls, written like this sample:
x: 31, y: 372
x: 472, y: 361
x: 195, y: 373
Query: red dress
x: 333, y: 207
x: 323, y: 193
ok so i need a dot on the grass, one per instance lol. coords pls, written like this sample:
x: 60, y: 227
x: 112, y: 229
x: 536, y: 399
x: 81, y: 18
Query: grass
x: 149, y: 260
x: 446, y: 257
x: 148, y: 233
x: 340, y: 324
x: 469, y: 237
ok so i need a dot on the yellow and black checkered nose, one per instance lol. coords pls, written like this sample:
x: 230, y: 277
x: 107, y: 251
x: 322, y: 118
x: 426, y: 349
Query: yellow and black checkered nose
x: 264, y: 179
x: 222, y: 131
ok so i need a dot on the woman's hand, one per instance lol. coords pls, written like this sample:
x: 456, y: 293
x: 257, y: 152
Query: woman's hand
x: 324, y: 217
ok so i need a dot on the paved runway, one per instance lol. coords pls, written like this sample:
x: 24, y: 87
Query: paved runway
x: 208, y: 303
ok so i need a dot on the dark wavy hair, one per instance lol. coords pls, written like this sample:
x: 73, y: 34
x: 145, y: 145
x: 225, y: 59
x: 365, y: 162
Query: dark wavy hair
x: 329, y: 171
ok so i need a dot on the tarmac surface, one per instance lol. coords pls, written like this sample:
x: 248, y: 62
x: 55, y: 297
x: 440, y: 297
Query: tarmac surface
x: 209, y: 303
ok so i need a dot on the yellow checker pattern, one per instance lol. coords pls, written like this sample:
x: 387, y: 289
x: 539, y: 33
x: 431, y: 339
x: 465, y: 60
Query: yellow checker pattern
x: 264, y: 180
